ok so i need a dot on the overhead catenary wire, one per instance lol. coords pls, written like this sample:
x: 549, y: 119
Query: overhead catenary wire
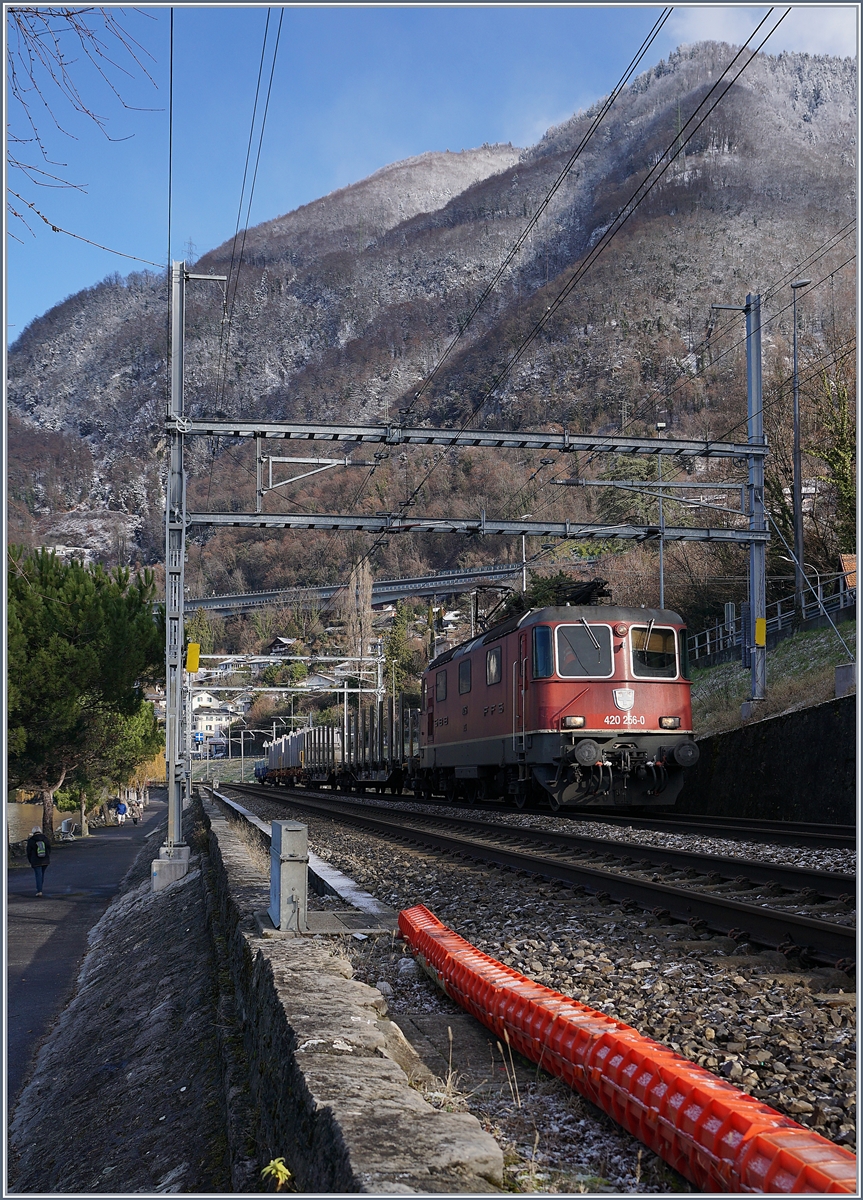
x: 222, y: 368
x: 819, y: 252
x: 625, y: 213
x: 251, y: 189
x: 648, y: 189
x: 623, y: 216
x: 836, y: 355
x: 242, y: 194
x: 604, y: 109
x: 636, y: 199
x: 649, y: 39
x: 170, y: 200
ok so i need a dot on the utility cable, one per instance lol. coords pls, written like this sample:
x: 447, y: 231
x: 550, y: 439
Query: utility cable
x: 837, y: 356
x: 225, y: 341
x: 528, y: 229
x: 630, y: 207
x: 576, y: 154
x: 623, y: 216
x: 170, y: 201
x: 621, y: 219
x: 519, y: 243
x: 731, y: 321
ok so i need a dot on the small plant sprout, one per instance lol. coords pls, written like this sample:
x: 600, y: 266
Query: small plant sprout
x: 277, y: 1172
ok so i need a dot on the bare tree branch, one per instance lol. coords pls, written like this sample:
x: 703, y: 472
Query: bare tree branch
x: 47, y: 51
x: 58, y: 229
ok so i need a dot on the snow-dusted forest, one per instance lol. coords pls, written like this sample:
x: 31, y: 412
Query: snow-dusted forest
x: 344, y: 306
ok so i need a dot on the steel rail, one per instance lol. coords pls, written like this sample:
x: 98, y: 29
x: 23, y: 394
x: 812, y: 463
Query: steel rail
x: 500, y: 439
x: 823, y: 940
x: 781, y: 833
x: 830, y: 884
x: 481, y: 527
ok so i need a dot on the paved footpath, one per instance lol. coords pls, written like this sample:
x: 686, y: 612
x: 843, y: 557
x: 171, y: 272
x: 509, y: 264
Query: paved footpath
x: 46, y: 937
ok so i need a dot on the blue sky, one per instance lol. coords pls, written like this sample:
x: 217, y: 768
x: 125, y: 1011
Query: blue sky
x: 354, y: 88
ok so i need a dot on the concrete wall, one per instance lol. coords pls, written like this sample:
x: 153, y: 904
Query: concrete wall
x: 324, y: 1061
x: 799, y: 766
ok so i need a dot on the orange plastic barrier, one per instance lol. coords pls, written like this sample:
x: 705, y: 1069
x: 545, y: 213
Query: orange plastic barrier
x: 717, y: 1136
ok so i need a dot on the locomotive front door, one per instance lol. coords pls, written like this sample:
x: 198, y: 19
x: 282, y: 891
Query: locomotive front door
x: 519, y: 688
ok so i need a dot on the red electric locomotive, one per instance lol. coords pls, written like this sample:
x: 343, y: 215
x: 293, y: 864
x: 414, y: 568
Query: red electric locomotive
x: 585, y: 705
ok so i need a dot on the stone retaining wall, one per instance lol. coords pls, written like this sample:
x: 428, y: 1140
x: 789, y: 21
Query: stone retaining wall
x: 328, y: 1070
x: 799, y: 766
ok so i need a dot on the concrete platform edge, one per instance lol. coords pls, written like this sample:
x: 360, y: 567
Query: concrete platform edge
x: 328, y: 1071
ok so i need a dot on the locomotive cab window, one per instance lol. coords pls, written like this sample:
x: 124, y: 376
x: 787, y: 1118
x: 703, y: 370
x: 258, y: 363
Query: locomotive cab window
x: 464, y: 676
x: 653, y: 652
x: 543, y: 652
x: 440, y: 686
x: 584, y: 651
x: 493, y: 661
x: 684, y: 654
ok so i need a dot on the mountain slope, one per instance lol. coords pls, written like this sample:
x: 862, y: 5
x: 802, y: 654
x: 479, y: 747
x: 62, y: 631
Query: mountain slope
x: 344, y: 306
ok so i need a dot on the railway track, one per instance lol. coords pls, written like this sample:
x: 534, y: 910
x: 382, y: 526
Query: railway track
x: 808, y: 834
x: 781, y: 833
x: 698, y: 888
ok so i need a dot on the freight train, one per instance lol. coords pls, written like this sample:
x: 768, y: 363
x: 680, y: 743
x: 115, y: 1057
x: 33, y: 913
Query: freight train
x: 576, y: 706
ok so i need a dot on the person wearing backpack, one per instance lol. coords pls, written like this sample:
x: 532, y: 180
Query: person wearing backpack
x: 38, y: 855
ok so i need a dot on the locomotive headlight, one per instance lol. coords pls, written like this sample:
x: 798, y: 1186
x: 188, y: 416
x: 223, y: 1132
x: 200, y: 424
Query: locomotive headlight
x: 573, y: 722
x: 620, y: 630
x: 669, y: 722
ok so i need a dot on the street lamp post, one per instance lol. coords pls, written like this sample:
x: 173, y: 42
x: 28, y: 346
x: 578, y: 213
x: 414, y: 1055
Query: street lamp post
x: 797, y: 483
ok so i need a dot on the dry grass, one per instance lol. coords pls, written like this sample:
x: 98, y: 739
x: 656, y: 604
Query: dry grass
x: 253, y: 840
x: 800, y: 673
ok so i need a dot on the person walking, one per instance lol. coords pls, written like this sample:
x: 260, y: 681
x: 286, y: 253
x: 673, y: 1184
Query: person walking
x: 38, y: 855
x: 135, y: 811
x: 121, y: 813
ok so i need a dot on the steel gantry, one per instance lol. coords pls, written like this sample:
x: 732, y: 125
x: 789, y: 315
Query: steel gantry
x: 481, y: 526
x: 178, y: 427
x: 496, y: 439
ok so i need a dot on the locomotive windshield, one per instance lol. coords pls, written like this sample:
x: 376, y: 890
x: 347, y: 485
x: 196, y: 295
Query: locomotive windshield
x: 584, y: 650
x: 653, y: 654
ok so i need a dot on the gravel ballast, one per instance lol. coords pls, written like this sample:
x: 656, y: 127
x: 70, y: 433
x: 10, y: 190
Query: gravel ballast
x: 780, y: 1032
